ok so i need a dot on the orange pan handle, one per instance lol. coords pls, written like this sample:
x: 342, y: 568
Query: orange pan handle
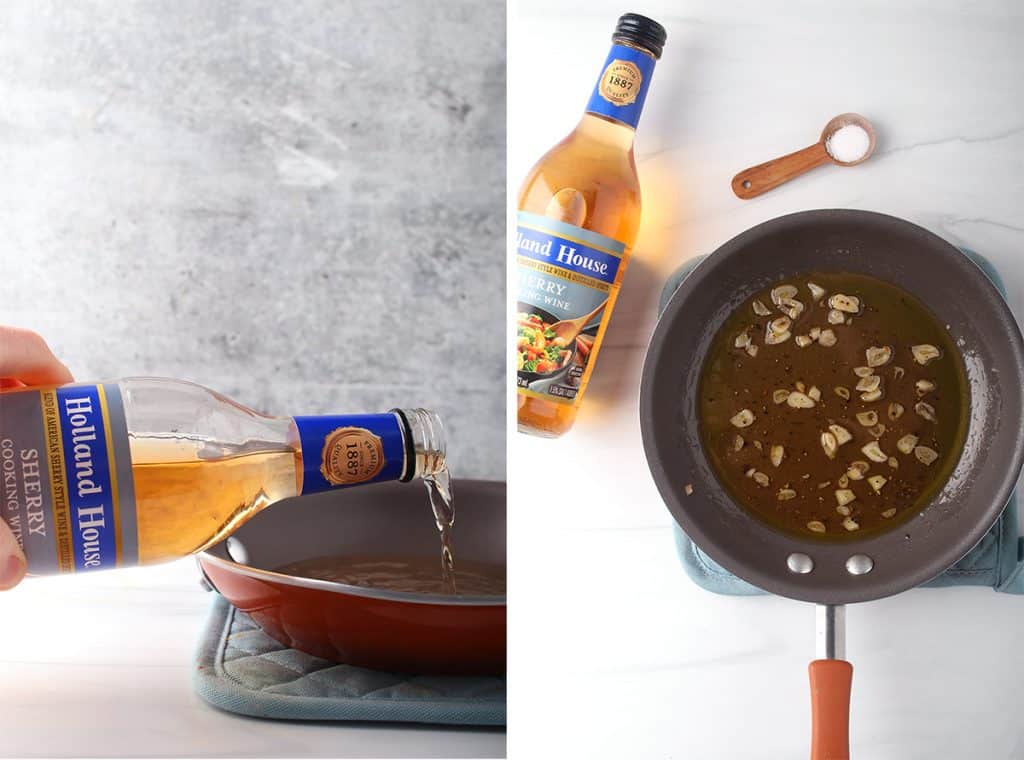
x: 830, y: 709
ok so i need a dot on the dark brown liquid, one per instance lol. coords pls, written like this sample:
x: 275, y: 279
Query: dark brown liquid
x: 420, y: 575
x: 733, y: 380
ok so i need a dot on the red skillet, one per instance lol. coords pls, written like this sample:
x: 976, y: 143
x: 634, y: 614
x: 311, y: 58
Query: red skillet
x: 374, y: 628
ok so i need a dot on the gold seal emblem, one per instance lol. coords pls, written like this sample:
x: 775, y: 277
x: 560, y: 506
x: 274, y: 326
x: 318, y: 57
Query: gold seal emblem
x: 351, y: 455
x: 620, y: 82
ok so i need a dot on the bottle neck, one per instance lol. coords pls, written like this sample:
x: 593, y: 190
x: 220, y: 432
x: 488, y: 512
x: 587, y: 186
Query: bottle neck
x: 349, y: 449
x: 425, y: 443
x: 622, y: 87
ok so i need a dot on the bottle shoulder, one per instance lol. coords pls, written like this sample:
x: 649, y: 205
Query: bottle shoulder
x: 604, y: 175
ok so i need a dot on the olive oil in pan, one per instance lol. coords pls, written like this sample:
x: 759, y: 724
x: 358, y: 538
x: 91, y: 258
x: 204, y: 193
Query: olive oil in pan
x: 833, y: 405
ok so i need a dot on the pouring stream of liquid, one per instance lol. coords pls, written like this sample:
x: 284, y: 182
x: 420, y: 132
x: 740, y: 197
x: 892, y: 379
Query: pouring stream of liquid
x: 439, y: 489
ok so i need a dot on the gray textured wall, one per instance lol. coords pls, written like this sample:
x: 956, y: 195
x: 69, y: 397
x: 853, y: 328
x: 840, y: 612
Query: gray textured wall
x: 297, y: 203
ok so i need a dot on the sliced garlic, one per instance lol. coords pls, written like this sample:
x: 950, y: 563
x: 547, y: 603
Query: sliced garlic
x: 774, y: 339
x: 888, y: 513
x: 895, y: 411
x: 814, y: 333
x: 871, y: 395
x: 814, y: 392
x: 782, y: 293
x: 858, y: 470
x: 925, y: 410
x: 877, y: 481
x: 841, y: 302
x: 907, y: 443
x: 817, y: 526
x: 924, y: 387
x: 752, y: 349
x: 791, y: 307
x: 924, y: 353
x: 869, y: 383
x: 842, y: 434
x: 827, y: 338
x: 760, y: 309
x: 802, y: 341
x: 843, y: 392
x: 743, y: 418
x: 836, y: 317
x: 785, y: 494
x: 779, y: 396
x: 776, y: 455
x: 829, y: 444
x: 742, y: 340
x: 737, y: 443
x: 877, y: 430
x: 863, y: 371
x: 799, y: 400
x: 867, y: 419
x: 874, y: 452
x: 850, y: 524
x: 925, y: 455
x: 845, y: 496
x: 878, y: 356
x: 817, y: 292
x: 762, y: 480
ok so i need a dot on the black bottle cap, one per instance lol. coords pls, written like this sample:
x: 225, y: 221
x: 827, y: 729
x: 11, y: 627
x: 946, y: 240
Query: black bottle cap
x: 641, y: 31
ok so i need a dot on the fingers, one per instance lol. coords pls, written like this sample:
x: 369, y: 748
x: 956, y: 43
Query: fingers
x: 24, y: 356
x: 12, y: 559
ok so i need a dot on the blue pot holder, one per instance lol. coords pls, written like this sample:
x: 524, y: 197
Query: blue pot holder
x: 997, y: 561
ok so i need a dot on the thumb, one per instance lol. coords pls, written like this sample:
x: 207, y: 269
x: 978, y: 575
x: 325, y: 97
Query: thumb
x: 12, y: 559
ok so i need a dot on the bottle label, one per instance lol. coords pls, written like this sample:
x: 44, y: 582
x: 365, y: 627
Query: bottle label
x: 347, y: 449
x: 566, y: 273
x: 66, y: 479
x: 620, y: 92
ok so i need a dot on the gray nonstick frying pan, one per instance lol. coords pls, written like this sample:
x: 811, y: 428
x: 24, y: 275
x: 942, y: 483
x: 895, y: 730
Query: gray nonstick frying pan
x: 836, y: 573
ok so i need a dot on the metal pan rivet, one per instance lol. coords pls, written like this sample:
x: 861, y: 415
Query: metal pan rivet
x: 236, y: 550
x: 859, y: 564
x: 799, y: 563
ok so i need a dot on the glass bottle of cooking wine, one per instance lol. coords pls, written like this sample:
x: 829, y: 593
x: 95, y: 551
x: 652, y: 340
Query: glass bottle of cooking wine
x: 579, y: 214
x: 145, y: 470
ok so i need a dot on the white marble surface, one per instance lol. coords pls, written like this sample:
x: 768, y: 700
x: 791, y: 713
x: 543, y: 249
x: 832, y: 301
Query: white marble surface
x: 101, y: 666
x: 600, y: 607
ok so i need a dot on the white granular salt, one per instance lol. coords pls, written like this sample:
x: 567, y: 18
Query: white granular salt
x: 848, y: 143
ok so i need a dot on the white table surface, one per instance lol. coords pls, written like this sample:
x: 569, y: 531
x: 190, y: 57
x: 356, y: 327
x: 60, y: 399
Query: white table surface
x: 101, y: 666
x: 600, y: 608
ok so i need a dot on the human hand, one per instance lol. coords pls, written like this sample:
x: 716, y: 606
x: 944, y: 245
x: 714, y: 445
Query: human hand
x: 25, y: 359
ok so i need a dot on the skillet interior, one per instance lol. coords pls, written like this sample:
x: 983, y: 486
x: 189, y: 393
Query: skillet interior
x: 960, y: 295
x: 386, y: 520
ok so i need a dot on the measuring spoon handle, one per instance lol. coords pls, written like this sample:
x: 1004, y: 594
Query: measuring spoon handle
x: 751, y: 182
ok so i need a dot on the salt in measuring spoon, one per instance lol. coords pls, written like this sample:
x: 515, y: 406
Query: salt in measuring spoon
x: 847, y: 140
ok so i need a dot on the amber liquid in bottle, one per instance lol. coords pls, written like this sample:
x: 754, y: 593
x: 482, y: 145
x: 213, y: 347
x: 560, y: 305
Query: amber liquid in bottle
x: 589, y: 180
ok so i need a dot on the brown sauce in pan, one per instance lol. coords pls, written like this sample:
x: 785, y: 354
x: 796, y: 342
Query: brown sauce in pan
x: 789, y: 447
x: 420, y: 575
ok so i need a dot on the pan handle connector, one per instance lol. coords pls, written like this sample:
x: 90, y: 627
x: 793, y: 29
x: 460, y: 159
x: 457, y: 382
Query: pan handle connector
x: 831, y: 677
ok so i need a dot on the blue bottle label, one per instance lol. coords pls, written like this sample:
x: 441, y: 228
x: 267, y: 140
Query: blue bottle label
x: 565, y: 272
x: 343, y: 450
x: 66, y: 479
x: 620, y: 92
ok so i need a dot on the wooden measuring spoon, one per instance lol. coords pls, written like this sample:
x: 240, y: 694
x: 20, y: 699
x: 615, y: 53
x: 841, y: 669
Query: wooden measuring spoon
x: 568, y: 329
x: 751, y: 182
